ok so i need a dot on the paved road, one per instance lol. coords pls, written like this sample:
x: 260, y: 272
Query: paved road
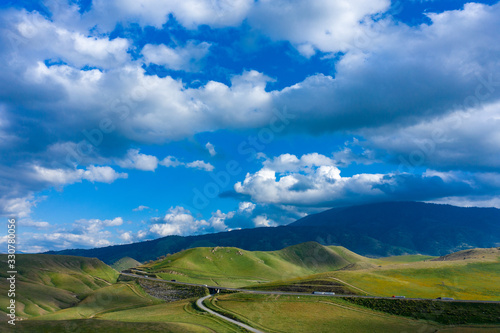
x: 300, y: 294
x: 199, y: 302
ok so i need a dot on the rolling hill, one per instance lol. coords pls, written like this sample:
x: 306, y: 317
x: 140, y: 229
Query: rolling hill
x: 470, y: 274
x: 47, y: 283
x: 229, y: 266
x: 377, y: 230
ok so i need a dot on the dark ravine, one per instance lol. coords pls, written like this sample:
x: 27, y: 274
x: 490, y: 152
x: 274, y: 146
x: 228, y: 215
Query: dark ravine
x: 380, y: 229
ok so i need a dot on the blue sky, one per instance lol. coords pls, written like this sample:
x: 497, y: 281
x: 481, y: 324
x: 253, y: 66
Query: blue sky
x: 127, y: 121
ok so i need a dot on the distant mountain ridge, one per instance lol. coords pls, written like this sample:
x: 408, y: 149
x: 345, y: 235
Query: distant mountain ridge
x: 379, y: 229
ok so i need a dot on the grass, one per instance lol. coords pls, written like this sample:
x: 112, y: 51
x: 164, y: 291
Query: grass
x: 233, y: 267
x: 116, y: 297
x: 175, y: 312
x: 473, y: 278
x: 457, y: 279
x: 441, y: 312
x: 93, y: 326
x: 48, y: 283
x: 293, y: 314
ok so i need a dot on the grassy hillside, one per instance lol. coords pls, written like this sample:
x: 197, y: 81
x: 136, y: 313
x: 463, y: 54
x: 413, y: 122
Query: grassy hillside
x: 125, y: 263
x: 236, y: 267
x: 47, y: 283
x: 473, y: 278
x: 292, y: 314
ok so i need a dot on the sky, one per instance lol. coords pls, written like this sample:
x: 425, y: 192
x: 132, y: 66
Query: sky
x: 123, y: 121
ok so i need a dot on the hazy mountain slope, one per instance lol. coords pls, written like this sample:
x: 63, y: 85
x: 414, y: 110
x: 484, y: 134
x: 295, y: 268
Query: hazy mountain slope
x: 381, y: 229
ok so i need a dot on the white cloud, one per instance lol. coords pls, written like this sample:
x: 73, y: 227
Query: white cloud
x: 288, y: 162
x: 211, y: 149
x: 127, y: 237
x: 135, y: 160
x: 171, y: 161
x: 217, y: 221
x: 263, y: 221
x: 323, y: 186
x: 48, y: 40
x: 140, y: 208
x: 326, y: 25
x: 200, y: 165
x: 246, y: 206
x: 35, y: 224
x: 185, y: 58
x: 92, y: 173
x: 17, y: 207
x: 180, y: 221
x: 216, y: 13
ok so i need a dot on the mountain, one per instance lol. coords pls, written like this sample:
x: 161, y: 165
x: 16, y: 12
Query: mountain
x: 377, y: 230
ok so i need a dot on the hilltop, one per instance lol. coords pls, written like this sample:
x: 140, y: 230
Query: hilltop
x: 229, y: 266
x: 375, y: 230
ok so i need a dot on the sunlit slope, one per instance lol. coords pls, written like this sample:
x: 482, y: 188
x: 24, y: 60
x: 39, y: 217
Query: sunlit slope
x: 231, y: 266
x: 47, y: 283
x: 471, y: 274
x: 120, y: 296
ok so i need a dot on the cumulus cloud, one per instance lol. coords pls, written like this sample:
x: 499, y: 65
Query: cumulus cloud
x: 136, y: 160
x: 263, y: 221
x: 157, y: 109
x: 180, y: 221
x: 216, y: 13
x: 324, y: 186
x: 83, y: 233
x: 17, y: 207
x: 289, y: 162
x: 102, y: 174
x: 211, y: 149
x: 43, y: 38
x: 325, y: 25
x: 200, y: 165
x: 171, y: 161
x: 186, y: 58
x: 246, y: 206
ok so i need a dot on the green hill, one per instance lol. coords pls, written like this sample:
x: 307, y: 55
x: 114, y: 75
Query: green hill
x: 125, y: 263
x: 467, y: 275
x: 229, y: 266
x: 47, y: 283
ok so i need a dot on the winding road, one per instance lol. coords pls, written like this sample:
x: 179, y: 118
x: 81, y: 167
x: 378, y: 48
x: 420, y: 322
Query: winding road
x: 199, y: 303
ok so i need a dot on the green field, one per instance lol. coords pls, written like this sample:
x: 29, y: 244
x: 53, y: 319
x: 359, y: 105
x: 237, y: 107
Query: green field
x: 326, y: 314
